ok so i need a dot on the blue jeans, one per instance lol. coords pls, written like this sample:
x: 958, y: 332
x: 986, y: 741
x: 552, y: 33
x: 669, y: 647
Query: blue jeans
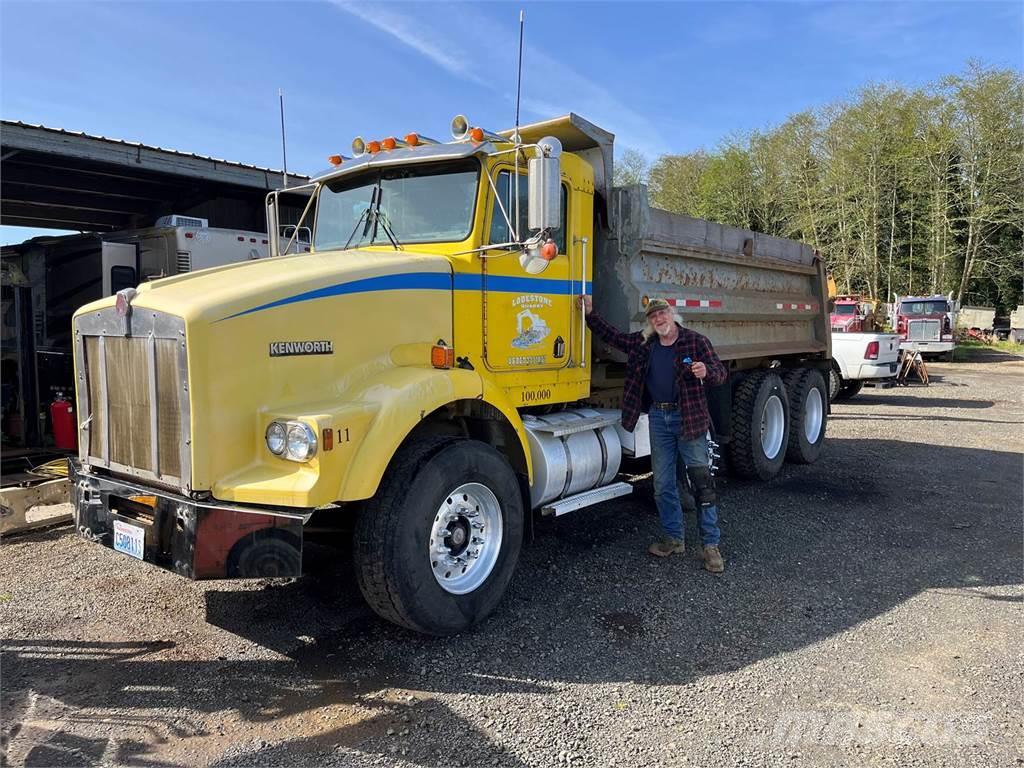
x: 668, y: 449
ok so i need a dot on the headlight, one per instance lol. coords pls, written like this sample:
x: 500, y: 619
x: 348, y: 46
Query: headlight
x: 293, y: 440
x: 276, y: 436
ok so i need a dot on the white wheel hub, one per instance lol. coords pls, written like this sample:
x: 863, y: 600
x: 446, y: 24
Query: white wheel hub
x: 465, y: 538
x: 814, y: 411
x: 773, y: 426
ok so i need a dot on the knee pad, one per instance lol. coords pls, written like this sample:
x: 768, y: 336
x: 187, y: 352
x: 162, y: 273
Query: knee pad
x: 703, y: 484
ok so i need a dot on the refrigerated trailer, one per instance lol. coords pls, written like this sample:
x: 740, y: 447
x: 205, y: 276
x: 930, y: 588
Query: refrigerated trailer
x: 425, y: 373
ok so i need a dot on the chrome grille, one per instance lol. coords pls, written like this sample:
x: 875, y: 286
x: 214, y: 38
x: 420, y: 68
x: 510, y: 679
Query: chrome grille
x: 132, y: 394
x: 923, y: 330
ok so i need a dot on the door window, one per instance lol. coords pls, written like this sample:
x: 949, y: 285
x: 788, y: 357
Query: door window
x: 499, y: 227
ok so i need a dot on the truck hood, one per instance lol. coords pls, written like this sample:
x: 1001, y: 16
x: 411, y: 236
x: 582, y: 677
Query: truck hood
x: 220, y: 293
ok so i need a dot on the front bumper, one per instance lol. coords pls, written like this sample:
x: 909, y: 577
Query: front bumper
x: 197, y: 540
x: 927, y: 347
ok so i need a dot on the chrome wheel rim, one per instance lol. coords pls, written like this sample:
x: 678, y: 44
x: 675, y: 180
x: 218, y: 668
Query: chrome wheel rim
x: 465, y: 538
x: 773, y: 427
x: 814, y: 411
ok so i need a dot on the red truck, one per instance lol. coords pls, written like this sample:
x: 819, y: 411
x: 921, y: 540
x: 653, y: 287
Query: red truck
x: 925, y: 323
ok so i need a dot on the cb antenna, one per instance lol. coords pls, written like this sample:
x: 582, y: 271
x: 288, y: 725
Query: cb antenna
x: 515, y: 136
x: 284, y: 150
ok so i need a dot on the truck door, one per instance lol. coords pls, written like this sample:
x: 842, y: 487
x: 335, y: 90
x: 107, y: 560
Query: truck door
x: 120, y: 267
x: 527, y: 308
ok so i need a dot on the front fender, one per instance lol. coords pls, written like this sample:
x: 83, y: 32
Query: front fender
x: 367, y: 429
x: 404, y: 401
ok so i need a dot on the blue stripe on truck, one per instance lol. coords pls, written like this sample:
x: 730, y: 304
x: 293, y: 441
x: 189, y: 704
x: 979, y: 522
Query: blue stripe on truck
x: 430, y: 281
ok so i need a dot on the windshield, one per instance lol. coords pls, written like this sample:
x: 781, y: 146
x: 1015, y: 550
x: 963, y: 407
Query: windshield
x: 428, y: 203
x: 912, y: 308
x: 845, y: 309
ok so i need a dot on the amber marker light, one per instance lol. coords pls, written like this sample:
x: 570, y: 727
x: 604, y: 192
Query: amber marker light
x: 389, y: 143
x: 334, y: 160
x: 412, y: 139
x: 644, y: 302
x: 549, y: 250
x: 442, y: 356
x: 328, y: 439
x: 477, y: 135
x: 373, y: 147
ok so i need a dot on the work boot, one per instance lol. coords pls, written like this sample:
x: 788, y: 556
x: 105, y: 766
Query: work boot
x: 666, y: 546
x: 713, y: 562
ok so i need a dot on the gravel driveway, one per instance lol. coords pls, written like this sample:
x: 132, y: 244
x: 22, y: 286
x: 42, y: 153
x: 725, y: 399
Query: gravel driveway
x: 871, y: 614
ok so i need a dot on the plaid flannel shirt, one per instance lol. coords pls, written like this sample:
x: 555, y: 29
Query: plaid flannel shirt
x: 693, y: 403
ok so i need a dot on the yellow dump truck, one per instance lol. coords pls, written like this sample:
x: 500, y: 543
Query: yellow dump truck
x: 424, y: 373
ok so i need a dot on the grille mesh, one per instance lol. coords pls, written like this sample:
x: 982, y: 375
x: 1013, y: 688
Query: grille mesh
x: 129, y: 402
x: 923, y: 330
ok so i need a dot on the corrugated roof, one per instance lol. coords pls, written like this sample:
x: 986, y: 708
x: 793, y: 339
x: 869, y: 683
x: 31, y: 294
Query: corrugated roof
x: 140, y: 145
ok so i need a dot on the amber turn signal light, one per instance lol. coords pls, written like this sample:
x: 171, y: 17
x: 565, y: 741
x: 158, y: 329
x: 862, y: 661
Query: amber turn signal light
x: 442, y: 356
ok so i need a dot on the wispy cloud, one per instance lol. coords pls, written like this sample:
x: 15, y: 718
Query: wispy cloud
x: 451, y: 41
x: 408, y: 32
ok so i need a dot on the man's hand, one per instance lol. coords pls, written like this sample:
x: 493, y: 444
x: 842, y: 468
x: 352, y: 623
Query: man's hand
x: 586, y: 302
x: 699, y: 370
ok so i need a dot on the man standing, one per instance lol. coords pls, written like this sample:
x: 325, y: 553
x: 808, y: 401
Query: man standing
x: 667, y: 369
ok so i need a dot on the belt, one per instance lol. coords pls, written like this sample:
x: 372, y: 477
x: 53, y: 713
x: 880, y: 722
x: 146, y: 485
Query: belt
x: 666, y: 406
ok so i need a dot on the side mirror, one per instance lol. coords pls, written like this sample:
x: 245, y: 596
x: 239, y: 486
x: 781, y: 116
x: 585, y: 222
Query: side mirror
x: 545, y: 178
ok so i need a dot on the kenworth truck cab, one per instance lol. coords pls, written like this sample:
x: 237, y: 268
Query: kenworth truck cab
x: 425, y: 370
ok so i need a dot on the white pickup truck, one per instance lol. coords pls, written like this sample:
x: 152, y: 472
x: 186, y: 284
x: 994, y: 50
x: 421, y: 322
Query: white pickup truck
x: 861, y: 357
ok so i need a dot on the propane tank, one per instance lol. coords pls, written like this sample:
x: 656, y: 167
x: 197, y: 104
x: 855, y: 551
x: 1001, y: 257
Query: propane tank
x: 62, y: 416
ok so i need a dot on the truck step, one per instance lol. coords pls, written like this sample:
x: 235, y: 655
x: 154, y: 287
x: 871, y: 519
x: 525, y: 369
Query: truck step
x: 572, y: 427
x: 586, y: 499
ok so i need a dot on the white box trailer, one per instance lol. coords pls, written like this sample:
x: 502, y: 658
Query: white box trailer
x: 978, y: 318
x: 60, y: 274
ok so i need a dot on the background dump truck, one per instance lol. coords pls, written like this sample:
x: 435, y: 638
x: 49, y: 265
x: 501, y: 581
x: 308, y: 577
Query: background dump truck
x: 425, y: 372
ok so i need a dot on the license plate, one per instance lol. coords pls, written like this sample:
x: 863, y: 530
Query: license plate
x: 129, y: 539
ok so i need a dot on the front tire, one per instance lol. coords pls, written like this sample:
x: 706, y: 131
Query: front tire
x: 760, y: 426
x: 808, y: 411
x: 436, y: 547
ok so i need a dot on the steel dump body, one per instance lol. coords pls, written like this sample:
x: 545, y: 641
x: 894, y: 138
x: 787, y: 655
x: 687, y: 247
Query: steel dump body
x: 755, y: 297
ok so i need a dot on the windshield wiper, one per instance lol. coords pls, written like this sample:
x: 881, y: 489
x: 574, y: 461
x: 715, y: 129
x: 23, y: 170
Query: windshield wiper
x: 364, y: 219
x: 381, y: 218
x: 386, y: 225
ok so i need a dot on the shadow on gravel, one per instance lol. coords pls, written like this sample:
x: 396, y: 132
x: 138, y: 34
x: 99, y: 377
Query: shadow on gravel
x: 820, y: 550
x: 916, y: 401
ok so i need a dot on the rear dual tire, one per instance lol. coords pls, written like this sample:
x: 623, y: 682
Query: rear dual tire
x: 808, y: 409
x: 760, y: 426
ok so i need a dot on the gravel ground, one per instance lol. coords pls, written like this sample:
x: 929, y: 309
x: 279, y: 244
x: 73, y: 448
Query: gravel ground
x: 870, y: 614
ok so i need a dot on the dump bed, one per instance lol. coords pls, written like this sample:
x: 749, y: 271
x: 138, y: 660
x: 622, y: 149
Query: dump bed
x: 756, y: 297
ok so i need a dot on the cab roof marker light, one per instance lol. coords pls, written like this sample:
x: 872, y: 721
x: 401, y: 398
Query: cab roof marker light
x: 419, y: 140
x: 373, y: 147
x: 391, y: 142
x: 337, y: 160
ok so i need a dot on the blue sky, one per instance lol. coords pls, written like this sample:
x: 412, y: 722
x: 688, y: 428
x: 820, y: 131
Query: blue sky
x: 664, y: 77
